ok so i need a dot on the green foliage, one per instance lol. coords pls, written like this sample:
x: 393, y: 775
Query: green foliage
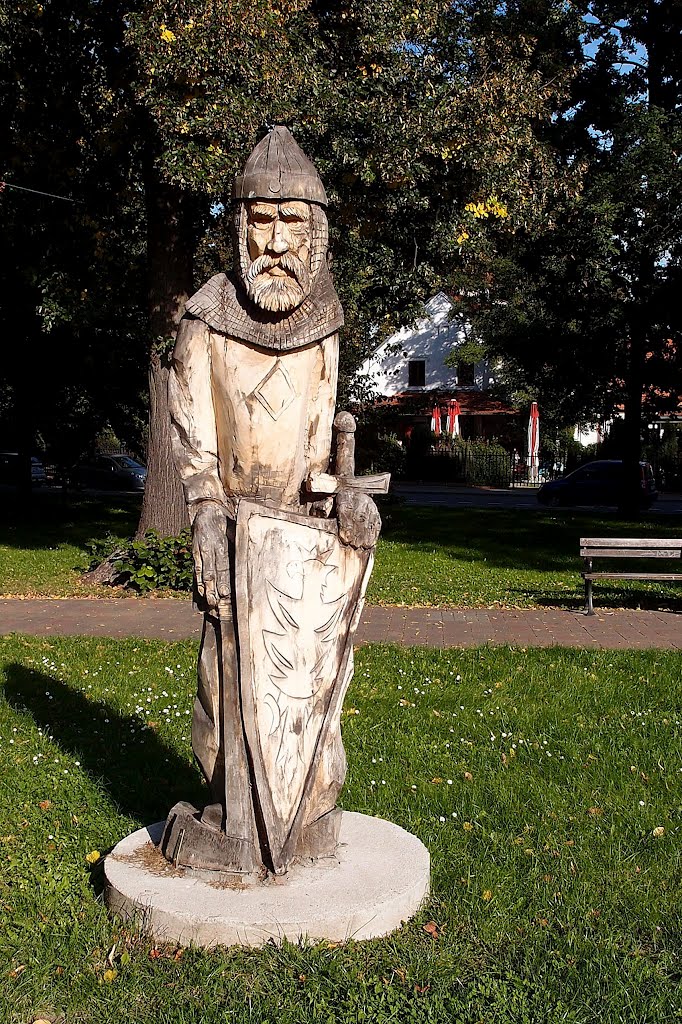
x: 157, y: 562
x: 477, y: 462
x: 584, y: 314
x: 535, y: 778
x: 386, y: 455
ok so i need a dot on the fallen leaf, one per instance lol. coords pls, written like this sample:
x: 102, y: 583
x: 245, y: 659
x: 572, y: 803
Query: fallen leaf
x: 433, y: 930
x: 45, y: 805
x: 487, y: 894
x: 154, y: 953
x: 595, y: 812
x: 421, y: 989
x: 468, y: 776
x: 110, y: 975
x: 93, y: 856
x: 436, y: 780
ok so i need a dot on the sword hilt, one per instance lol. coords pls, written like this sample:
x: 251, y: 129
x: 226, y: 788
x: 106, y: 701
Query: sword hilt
x: 344, y: 465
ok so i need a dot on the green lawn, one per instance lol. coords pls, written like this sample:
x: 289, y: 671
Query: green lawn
x: 426, y: 556
x: 43, y: 550
x: 546, y: 784
x: 513, y: 558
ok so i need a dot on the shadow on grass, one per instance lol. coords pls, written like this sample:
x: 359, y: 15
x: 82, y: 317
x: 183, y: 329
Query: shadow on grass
x: 535, y: 539
x: 142, y: 774
x: 52, y: 518
x: 607, y: 599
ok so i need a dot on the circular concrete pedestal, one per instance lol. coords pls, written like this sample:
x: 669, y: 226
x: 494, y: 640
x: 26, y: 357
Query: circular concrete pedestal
x: 377, y: 880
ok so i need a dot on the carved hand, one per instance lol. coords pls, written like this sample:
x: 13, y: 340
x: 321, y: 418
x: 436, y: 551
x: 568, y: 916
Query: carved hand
x: 359, y: 519
x: 210, y: 551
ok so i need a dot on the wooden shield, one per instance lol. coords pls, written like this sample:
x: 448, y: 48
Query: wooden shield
x: 298, y: 595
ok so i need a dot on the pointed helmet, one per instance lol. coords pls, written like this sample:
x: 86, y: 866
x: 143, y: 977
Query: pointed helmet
x: 278, y: 169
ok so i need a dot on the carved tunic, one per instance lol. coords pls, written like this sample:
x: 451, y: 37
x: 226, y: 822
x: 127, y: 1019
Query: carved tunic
x: 249, y: 421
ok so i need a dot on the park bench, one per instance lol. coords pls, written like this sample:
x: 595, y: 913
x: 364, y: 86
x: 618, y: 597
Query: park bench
x: 625, y: 547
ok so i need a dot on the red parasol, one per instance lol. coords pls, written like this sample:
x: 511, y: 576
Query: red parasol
x: 454, y: 412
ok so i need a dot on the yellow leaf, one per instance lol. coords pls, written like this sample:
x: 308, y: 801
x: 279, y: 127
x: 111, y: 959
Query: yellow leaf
x: 487, y: 894
x: 93, y: 856
x: 110, y: 975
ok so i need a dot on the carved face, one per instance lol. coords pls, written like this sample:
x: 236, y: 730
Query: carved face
x: 278, y: 242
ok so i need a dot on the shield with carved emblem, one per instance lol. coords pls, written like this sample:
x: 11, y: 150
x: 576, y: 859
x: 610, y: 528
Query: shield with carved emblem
x: 299, y: 594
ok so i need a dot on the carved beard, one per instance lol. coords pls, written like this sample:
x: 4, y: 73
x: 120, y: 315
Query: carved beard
x: 277, y: 294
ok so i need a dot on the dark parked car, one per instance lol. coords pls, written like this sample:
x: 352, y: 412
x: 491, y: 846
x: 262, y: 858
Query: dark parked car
x: 9, y: 469
x: 111, y: 473
x: 599, y: 483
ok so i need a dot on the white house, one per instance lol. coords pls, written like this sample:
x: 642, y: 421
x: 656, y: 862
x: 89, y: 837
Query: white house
x: 408, y: 372
x: 413, y: 359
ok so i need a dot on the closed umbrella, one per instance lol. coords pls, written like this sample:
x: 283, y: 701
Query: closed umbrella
x: 533, y: 443
x: 435, y: 421
x: 453, y: 417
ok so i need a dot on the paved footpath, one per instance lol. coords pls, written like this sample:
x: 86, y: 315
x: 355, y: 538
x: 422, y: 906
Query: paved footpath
x: 174, y: 619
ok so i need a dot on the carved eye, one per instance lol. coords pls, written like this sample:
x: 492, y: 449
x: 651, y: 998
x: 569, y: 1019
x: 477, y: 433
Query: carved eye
x: 262, y: 219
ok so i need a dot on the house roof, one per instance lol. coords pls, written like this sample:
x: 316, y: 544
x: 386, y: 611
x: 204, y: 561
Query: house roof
x: 471, y: 402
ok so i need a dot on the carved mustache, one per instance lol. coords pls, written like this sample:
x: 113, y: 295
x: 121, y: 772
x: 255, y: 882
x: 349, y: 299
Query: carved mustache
x: 287, y: 261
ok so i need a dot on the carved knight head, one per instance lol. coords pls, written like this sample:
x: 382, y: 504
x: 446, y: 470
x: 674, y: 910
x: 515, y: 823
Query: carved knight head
x: 280, y: 223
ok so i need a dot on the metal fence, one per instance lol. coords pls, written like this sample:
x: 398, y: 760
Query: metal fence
x: 479, y: 469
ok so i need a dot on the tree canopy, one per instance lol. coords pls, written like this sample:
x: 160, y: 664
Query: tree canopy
x: 584, y: 313
x: 427, y: 123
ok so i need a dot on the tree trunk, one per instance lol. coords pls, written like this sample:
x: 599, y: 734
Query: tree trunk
x: 170, y: 247
x: 632, y: 425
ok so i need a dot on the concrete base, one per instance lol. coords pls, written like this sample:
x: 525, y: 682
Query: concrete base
x: 378, y: 879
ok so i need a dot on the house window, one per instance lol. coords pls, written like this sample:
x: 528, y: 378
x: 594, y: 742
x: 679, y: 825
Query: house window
x: 416, y: 373
x: 465, y: 375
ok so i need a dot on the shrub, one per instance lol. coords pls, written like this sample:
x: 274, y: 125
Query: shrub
x: 147, y: 564
x: 157, y: 561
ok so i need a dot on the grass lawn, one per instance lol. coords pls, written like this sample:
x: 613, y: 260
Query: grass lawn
x: 513, y: 558
x: 427, y: 556
x: 43, y: 551
x: 546, y: 784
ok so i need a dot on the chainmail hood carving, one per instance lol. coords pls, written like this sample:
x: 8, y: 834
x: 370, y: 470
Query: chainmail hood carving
x: 277, y: 170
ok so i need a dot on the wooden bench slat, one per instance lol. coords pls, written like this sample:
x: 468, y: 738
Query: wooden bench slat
x: 631, y: 552
x: 631, y: 576
x: 631, y: 542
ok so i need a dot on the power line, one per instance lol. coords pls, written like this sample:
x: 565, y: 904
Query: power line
x: 37, y: 192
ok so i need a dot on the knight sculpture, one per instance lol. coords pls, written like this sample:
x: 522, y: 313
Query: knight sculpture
x: 283, y: 533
